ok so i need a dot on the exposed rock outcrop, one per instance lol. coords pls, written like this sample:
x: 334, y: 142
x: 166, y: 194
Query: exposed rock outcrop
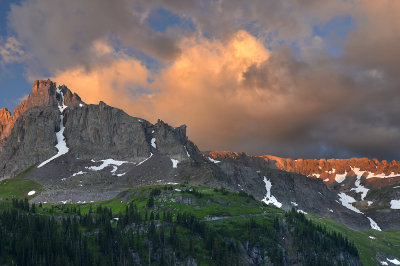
x: 43, y: 94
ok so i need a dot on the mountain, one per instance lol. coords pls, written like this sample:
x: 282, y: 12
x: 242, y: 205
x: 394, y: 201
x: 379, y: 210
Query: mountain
x: 82, y: 152
x: 359, y: 193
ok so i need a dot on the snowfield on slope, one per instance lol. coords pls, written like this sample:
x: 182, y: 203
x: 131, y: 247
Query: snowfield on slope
x: 61, y: 143
x: 270, y: 199
x: 174, y: 163
x: 346, y: 201
x: 395, y: 204
x: 212, y: 160
x: 374, y: 225
x: 359, y: 188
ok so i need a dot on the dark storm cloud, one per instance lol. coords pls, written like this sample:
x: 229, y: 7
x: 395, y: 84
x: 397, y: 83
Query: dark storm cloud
x: 60, y: 34
x: 292, y: 99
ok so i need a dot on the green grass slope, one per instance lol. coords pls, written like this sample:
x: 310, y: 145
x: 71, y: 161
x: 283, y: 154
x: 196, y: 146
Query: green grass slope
x: 369, y: 243
x: 18, y: 187
x: 167, y: 225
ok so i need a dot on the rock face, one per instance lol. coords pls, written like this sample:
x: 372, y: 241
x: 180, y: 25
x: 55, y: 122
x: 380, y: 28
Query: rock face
x: 43, y: 94
x: 348, y: 190
x: 108, y: 151
x: 27, y: 136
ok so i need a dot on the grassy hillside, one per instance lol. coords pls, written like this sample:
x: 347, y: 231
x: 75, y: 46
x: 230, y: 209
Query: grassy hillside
x: 232, y: 217
x: 368, y: 242
x: 165, y: 225
x: 18, y: 187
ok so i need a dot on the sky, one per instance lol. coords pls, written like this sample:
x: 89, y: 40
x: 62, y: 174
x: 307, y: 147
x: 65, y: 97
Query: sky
x: 291, y: 78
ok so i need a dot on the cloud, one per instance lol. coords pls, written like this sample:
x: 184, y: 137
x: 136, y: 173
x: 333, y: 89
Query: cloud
x: 114, y: 83
x: 250, y: 76
x: 10, y: 51
x: 60, y: 34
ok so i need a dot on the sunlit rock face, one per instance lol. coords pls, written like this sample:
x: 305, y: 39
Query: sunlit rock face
x: 331, y: 170
x: 43, y: 94
x: 352, y: 191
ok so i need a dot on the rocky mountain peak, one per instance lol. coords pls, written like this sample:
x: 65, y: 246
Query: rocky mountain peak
x: 44, y: 93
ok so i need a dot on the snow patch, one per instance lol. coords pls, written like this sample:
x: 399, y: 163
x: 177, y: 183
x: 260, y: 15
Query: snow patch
x: 374, y: 225
x: 174, y: 163
x: 213, y: 161
x: 326, y: 179
x: 269, y: 199
x: 294, y: 204
x: 382, y: 175
x: 301, y: 211
x: 395, y: 204
x: 331, y: 210
x: 397, y: 187
x: 371, y: 237
x: 394, y: 261
x: 31, y: 193
x: 106, y: 163
x: 370, y: 203
x: 61, y: 143
x: 79, y: 173
x: 340, y: 177
x: 346, y: 201
x: 187, y: 153
x: 151, y: 154
x: 81, y: 105
x: 359, y: 188
x: 153, y: 143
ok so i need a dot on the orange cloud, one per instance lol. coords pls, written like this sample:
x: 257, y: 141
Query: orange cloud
x: 201, y: 88
x: 112, y: 83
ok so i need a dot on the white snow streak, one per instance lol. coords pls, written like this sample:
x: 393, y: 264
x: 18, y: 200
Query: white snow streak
x: 174, y: 163
x: 269, y: 199
x: 187, y: 153
x: 294, y: 204
x: 30, y: 193
x: 153, y: 143
x: 374, y: 225
x: 359, y: 188
x: 383, y: 175
x: 151, y: 154
x: 79, y: 173
x: 346, y: 201
x: 213, y: 161
x: 61, y: 144
x: 394, y: 261
x: 340, y: 177
x: 395, y: 204
x: 106, y: 163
